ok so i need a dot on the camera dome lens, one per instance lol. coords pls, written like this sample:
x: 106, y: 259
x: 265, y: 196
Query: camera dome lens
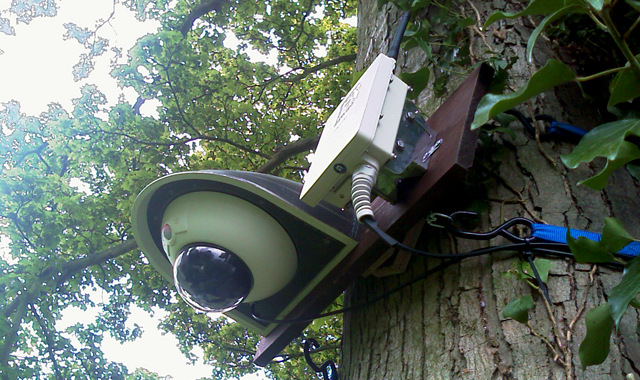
x: 211, y: 279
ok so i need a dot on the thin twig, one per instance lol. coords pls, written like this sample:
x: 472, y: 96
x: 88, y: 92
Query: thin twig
x: 537, y: 129
x: 522, y: 201
x: 556, y: 329
x: 556, y: 356
x: 583, y: 305
x: 635, y: 24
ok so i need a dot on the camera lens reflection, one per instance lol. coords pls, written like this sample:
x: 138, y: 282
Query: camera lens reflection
x: 210, y: 278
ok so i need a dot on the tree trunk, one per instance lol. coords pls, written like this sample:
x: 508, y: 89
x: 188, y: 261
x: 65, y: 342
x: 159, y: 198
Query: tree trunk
x: 451, y: 326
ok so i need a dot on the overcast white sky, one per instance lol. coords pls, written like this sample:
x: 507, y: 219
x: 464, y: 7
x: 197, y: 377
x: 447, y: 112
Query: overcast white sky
x: 36, y: 69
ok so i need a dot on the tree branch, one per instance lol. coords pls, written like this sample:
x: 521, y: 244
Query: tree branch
x: 287, y: 151
x: 200, y: 10
x: 12, y: 334
x: 192, y: 139
x: 72, y: 267
x: 321, y: 66
x: 301, y: 354
x: 48, y: 340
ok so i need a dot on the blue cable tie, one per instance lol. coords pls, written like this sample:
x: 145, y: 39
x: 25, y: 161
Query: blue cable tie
x: 557, y: 234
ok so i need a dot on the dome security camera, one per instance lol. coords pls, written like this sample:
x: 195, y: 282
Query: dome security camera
x: 230, y: 238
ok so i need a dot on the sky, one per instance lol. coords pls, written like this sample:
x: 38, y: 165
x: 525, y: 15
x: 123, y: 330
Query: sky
x: 35, y: 70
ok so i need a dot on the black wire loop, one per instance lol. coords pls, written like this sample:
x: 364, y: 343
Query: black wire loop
x: 501, y: 230
x: 328, y: 368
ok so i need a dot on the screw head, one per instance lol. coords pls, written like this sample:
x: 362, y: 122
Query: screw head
x: 400, y: 144
x: 340, y: 168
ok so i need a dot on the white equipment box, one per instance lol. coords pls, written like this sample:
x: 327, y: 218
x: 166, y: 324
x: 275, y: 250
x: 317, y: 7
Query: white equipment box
x: 361, y: 130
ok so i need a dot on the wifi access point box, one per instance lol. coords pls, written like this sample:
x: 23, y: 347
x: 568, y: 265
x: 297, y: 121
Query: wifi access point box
x: 361, y: 130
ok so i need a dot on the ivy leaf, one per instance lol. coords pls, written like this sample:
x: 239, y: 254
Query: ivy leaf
x: 626, y: 153
x: 518, y: 309
x: 546, y: 21
x: 614, y: 238
x: 418, y: 81
x: 542, y: 265
x: 635, y: 303
x: 602, y: 141
x: 549, y: 76
x: 536, y: 7
x: 585, y: 250
x: 594, y: 349
x: 624, y: 86
x: 597, y: 4
x: 626, y: 291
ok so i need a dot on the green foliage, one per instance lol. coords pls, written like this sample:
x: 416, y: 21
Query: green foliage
x: 623, y: 87
x: 418, y: 81
x: 518, y: 309
x: 535, y: 8
x: 626, y: 153
x: 600, y: 320
x: 607, y: 140
x: 594, y: 349
x: 626, y: 291
x: 551, y: 75
x: 522, y: 270
x: 572, y: 8
x: 440, y: 31
x: 614, y: 238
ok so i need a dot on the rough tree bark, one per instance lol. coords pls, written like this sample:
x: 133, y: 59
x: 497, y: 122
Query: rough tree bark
x: 450, y: 326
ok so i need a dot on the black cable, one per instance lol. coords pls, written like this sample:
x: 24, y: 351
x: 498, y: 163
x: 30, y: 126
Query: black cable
x: 450, y: 259
x: 426, y: 274
x: 394, y: 49
x: 541, y: 284
x: 544, y: 248
x: 373, y: 225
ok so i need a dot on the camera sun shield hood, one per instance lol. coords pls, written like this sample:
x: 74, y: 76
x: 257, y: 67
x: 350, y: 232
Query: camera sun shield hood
x: 321, y: 236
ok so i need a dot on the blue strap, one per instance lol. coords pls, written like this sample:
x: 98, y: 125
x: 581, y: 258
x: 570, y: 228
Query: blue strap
x: 566, y: 130
x: 557, y: 234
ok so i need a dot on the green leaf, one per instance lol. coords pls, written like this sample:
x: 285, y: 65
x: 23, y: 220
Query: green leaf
x: 602, y: 141
x: 587, y: 251
x: 542, y: 265
x: 536, y: 7
x: 635, y: 303
x: 614, y: 238
x: 594, y: 349
x: 597, y: 4
x: 624, y: 86
x: 626, y: 153
x: 418, y: 81
x: 518, y: 309
x: 546, y: 21
x: 626, y: 291
x: 549, y: 76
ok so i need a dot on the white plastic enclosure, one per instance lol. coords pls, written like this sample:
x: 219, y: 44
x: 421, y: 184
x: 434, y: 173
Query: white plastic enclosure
x: 362, y: 130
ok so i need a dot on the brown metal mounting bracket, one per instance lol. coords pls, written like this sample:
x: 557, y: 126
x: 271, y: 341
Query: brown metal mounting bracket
x: 447, y: 168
